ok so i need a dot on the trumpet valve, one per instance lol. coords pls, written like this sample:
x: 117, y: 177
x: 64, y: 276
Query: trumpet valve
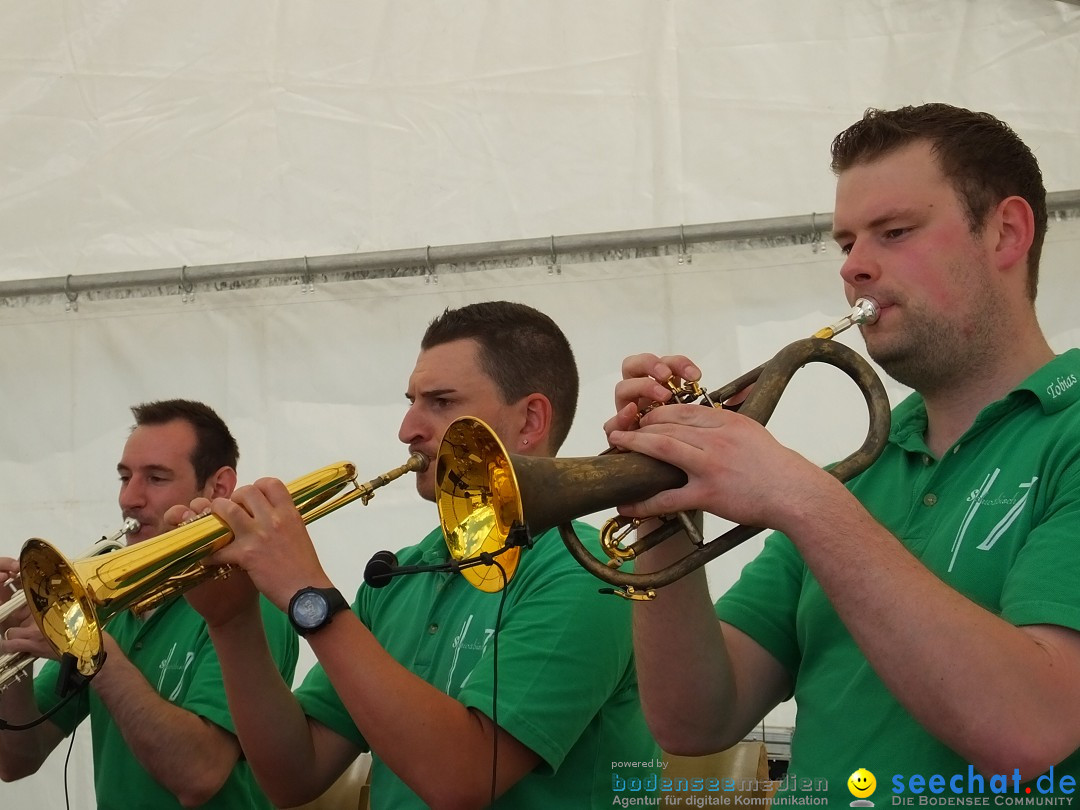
x: 685, y: 392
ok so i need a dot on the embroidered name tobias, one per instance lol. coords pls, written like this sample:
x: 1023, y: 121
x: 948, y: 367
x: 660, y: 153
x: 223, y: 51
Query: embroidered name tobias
x: 1061, y: 385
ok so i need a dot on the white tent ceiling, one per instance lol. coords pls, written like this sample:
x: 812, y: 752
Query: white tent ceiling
x: 141, y: 133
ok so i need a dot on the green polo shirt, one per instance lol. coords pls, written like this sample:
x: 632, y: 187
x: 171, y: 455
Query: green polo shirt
x: 567, y: 688
x: 997, y: 517
x: 173, y: 651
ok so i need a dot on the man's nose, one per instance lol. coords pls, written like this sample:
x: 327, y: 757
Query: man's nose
x: 413, y: 428
x: 859, y: 267
x: 132, y: 495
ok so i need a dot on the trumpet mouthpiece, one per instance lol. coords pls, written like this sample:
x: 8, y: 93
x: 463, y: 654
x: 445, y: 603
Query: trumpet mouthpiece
x: 865, y: 311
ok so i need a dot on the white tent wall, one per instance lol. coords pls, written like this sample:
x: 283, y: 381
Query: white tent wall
x: 148, y: 134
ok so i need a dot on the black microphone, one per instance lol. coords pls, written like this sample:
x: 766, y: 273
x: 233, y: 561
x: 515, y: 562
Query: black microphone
x: 383, y: 567
x: 380, y: 568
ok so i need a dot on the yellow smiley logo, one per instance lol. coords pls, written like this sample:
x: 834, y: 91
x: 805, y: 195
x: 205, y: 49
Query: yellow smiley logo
x: 861, y: 783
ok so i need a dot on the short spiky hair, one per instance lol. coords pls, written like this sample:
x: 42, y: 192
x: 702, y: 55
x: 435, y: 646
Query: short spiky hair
x: 980, y: 155
x: 215, y: 446
x: 522, y: 350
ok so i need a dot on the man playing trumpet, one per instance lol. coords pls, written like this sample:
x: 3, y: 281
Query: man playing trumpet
x: 411, y: 671
x: 162, y: 735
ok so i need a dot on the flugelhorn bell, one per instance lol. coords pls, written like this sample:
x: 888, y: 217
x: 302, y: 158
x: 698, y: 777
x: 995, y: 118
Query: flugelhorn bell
x: 72, y: 600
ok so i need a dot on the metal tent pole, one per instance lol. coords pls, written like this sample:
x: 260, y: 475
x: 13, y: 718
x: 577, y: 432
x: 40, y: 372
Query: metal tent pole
x: 421, y: 260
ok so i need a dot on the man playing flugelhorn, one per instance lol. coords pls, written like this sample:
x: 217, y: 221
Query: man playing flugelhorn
x: 926, y: 618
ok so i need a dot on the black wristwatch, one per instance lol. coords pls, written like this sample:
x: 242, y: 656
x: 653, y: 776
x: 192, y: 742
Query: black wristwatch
x: 311, y: 609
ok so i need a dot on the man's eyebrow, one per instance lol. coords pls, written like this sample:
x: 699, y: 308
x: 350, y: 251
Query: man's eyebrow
x: 433, y: 393
x: 876, y: 222
x: 154, y: 468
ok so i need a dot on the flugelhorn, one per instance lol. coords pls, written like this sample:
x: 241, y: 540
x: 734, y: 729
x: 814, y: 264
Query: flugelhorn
x: 72, y: 600
x: 483, y: 491
x: 14, y: 666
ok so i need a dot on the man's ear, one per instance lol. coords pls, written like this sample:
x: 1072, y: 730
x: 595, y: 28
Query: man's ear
x: 1014, y: 231
x: 221, y: 484
x: 536, y: 427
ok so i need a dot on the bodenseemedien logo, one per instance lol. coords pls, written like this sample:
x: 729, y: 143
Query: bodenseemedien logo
x: 862, y: 785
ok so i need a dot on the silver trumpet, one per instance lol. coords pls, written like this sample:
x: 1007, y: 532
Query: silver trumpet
x: 14, y: 666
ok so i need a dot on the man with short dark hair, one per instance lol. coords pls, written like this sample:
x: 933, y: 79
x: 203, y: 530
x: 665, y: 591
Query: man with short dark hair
x: 925, y: 617
x: 411, y: 672
x: 162, y: 735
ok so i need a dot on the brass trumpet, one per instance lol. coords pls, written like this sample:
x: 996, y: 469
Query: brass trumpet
x: 484, y: 491
x: 72, y: 600
x: 13, y: 665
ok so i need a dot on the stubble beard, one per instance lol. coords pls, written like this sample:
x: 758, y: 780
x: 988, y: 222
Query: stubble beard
x: 936, y: 354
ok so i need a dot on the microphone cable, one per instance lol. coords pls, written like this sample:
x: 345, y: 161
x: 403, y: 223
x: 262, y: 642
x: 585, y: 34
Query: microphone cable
x: 495, y: 683
x: 383, y: 567
x: 80, y: 690
x: 73, y: 688
x: 67, y: 761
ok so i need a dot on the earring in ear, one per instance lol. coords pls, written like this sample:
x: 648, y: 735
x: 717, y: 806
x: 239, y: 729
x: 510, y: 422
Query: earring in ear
x: 524, y: 442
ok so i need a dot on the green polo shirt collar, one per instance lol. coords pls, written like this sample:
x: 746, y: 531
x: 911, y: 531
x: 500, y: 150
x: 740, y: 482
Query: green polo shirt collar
x: 1056, y: 385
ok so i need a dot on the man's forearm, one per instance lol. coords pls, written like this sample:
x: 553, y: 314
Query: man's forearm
x: 270, y: 723
x: 23, y: 752
x: 429, y: 739
x: 190, y: 756
x: 686, y: 677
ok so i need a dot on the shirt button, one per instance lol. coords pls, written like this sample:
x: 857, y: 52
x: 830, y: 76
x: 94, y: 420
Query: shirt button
x: 927, y: 461
x: 433, y: 629
x: 929, y: 499
x: 138, y: 645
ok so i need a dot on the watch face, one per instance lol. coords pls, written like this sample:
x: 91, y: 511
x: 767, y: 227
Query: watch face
x: 309, y: 610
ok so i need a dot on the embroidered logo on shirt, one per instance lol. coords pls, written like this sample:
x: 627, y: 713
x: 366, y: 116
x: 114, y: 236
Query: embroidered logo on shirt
x: 477, y: 645
x: 169, y: 669
x: 979, y: 498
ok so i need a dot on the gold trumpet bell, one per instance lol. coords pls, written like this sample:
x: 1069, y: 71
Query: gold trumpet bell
x: 479, y: 502
x: 56, y: 593
x: 73, y: 600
